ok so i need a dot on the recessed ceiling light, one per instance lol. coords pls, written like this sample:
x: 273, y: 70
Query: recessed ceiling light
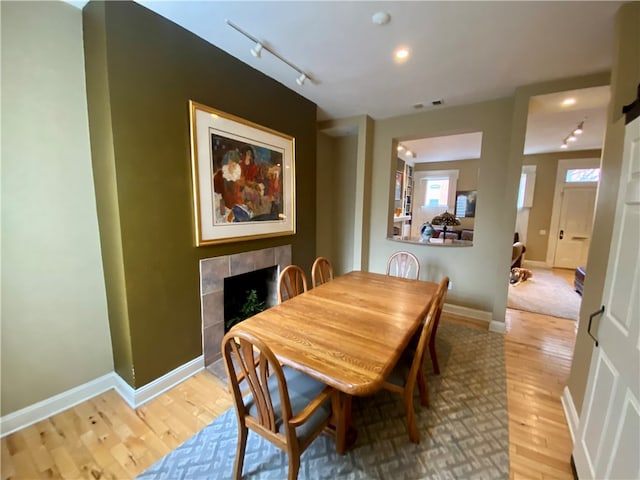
x: 401, y: 54
x: 568, y: 101
x: 381, y: 18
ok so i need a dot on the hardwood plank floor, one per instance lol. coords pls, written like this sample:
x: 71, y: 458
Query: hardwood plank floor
x: 538, y: 354
x: 103, y: 438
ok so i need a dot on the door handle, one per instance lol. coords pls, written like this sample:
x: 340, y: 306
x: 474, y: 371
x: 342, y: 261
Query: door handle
x: 561, y: 234
x: 579, y: 237
x: 591, y: 317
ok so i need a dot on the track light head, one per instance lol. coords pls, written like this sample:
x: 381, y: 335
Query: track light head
x: 256, y: 51
x: 572, y: 137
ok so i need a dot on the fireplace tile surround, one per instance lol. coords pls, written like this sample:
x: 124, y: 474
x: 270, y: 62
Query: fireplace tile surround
x: 213, y: 271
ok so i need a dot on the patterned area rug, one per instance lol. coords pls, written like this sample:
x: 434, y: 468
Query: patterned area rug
x: 545, y: 293
x: 464, y: 434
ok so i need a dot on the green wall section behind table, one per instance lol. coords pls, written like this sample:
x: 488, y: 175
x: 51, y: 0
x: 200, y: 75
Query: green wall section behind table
x: 142, y: 72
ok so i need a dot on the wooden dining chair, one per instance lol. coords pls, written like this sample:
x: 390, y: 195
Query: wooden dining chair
x: 403, y: 264
x: 321, y: 271
x: 440, y: 296
x: 408, y: 371
x: 292, y: 282
x: 284, y: 406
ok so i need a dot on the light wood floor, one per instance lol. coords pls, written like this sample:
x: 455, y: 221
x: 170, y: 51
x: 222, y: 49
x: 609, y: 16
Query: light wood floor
x: 105, y: 439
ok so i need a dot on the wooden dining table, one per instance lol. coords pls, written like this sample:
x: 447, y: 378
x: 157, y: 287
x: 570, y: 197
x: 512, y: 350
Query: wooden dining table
x: 347, y: 333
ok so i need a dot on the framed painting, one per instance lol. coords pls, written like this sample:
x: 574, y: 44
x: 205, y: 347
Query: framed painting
x: 243, y: 178
x: 398, y: 189
x: 466, y: 203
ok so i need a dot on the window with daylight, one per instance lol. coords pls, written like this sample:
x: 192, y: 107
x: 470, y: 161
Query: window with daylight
x: 439, y: 189
x: 439, y: 193
x: 436, y: 192
x: 576, y: 175
x: 527, y: 184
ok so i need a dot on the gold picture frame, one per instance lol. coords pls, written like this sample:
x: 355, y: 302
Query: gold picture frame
x: 243, y: 178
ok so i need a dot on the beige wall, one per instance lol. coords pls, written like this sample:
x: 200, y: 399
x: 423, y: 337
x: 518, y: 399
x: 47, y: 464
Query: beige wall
x: 540, y: 214
x: 55, y: 333
x: 475, y: 271
x: 343, y: 213
x: 625, y: 77
x: 336, y: 200
x: 324, y: 196
x: 344, y: 159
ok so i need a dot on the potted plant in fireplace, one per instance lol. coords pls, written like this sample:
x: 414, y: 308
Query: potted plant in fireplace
x: 252, y: 306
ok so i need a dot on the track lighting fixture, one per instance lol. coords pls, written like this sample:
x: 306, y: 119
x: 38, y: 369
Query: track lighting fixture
x: 256, y: 51
x: 578, y: 130
x: 572, y: 136
x: 407, y: 153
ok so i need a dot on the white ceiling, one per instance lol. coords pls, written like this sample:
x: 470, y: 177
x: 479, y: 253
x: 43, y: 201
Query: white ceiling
x: 461, y: 52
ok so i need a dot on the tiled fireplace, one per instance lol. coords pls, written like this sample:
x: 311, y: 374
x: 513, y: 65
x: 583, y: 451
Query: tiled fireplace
x: 213, y: 271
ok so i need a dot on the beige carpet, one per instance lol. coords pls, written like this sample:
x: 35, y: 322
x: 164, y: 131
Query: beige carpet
x: 545, y: 293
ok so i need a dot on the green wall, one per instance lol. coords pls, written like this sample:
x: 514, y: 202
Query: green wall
x: 142, y: 71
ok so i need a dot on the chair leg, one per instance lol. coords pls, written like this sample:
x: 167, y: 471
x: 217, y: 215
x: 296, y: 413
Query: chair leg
x: 414, y: 436
x: 432, y: 350
x: 294, y: 465
x: 242, y: 444
x: 434, y: 357
x: 422, y: 387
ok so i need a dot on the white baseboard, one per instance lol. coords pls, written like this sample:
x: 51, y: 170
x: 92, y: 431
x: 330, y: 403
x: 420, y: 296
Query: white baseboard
x: 142, y: 395
x: 56, y: 404
x: 497, y: 327
x: 570, y: 413
x: 535, y: 264
x: 70, y: 398
x: 467, y: 312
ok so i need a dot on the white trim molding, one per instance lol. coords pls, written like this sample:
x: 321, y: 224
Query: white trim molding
x: 51, y: 406
x: 467, y: 312
x: 570, y: 413
x: 142, y: 395
x: 482, y: 315
x: 497, y: 327
x: 535, y: 263
x: 56, y: 404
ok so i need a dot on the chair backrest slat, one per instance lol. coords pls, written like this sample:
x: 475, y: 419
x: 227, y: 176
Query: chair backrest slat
x: 292, y: 282
x: 321, y: 271
x: 425, y: 333
x: 247, y: 358
x: 404, y: 265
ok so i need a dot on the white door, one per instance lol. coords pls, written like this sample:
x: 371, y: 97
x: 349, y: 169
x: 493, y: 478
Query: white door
x: 574, y: 228
x: 608, y: 439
